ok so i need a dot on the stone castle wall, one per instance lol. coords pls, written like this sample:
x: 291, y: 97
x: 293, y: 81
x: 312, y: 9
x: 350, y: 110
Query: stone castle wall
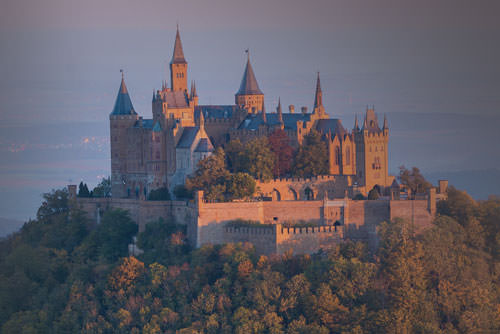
x: 206, y: 222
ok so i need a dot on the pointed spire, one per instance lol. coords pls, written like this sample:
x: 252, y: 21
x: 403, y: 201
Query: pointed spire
x: 365, y: 124
x: 264, y: 118
x: 279, y: 111
x: 178, y: 56
x: 123, y: 104
x: 194, y: 89
x: 202, y: 119
x: 318, y: 98
x: 191, y: 90
x: 249, y: 84
x: 154, y: 96
x: 386, y: 126
x: 356, y: 125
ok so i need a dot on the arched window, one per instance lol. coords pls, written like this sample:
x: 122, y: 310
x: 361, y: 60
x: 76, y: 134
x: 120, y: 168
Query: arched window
x: 348, y: 156
x: 337, y: 155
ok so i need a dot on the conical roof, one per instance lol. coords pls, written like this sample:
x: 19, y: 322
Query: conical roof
x: 249, y: 84
x: 178, y: 56
x: 123, y: 104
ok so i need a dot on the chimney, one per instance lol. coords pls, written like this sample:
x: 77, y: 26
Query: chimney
x: 291, y: 108
x: 304, y: 110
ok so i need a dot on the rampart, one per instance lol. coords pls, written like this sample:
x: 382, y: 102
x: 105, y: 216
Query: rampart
x: 207, y: 222
x: 276, y: 239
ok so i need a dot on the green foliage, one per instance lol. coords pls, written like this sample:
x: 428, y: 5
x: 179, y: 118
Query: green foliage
x: 373, y: 194
x: 181, y: 192
x: 211, y: 176
x: 254, y: 157
x: 160, y: 194
x: 103, y: 189
x: 83, y: 190
x: 413, y: 180
x: 241, y: 185
x: 359, y: 197
x: 312, y: 157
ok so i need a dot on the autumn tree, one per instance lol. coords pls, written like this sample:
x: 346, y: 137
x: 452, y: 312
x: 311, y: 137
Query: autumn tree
x: 413, y: 180
x: 283, y: 152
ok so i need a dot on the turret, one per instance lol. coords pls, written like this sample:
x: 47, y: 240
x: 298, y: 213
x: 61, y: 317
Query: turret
x: 121, y: 118
x: 279, y: 111
x: 249, y: 96
x: 193, y: 96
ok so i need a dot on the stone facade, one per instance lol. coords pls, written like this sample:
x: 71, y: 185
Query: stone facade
x: 160, y: 152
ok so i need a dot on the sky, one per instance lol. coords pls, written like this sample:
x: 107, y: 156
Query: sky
x: 430, y: 66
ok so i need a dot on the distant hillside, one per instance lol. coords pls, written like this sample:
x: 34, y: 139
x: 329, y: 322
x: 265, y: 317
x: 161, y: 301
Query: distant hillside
x: 478, y: 183
x: 7, y: 226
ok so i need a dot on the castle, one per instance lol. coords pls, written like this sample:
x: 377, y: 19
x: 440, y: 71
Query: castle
x: 148, y: 154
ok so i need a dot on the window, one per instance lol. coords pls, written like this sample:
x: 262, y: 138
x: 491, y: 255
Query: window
x: 337, y: 155
x: 348, y: 156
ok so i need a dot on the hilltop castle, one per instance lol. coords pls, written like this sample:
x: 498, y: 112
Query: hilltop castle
x: 161, y: 152
x: 148, y: 154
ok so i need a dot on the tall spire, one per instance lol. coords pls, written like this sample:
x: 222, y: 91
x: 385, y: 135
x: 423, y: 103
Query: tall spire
x: 318, y: 98
x: 249, y: 84
x: 356, y: 125
x: 154, y: 96
x: 202, y: 119
x: 386, y: 126
x: 123, y: 104
x: 279, y: 111
x: 178, y: 56
x: 194, y: 89
x: 264, y: 118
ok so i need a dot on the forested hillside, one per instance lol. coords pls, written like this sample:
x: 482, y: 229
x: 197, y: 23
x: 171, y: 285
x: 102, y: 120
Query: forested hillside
x: 60, y: 274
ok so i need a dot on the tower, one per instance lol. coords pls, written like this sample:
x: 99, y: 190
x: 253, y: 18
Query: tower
x: 249, y: 96
x: 178, y: 66
x: 121, y: 118
x: 372, y: 152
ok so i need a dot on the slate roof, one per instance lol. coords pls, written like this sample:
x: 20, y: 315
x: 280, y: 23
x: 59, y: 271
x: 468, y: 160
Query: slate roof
x: 216, y: 112
x: 331, y: 125
x: 253, y: 121
x: 204, y: 146
x: 123, y: 104
x: 249, y: 84
x: 176, y: 99
x: 188, y: 136
x: 178, y: 56
x: 146, y: 123
x: 157, y: 127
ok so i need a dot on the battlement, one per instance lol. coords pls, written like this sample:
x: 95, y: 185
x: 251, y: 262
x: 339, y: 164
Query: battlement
x: 310, y: 230
x: 299, y: 179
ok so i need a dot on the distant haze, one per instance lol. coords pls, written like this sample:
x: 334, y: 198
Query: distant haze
x: 432, y: 66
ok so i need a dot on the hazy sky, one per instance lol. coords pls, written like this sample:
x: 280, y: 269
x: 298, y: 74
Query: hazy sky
x: 432, y: 66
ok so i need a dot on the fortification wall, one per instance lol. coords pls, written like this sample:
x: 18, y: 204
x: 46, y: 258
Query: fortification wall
x: 292, y: 189
x: 416, y: 212
x: 263, y: 237
x: 307, y: 240
x: 213, y: 216
x: 142, y: 212
x: 362, y: 217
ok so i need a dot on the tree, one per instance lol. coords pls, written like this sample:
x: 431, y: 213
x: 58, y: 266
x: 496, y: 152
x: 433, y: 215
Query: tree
x: 54, y: 202
x: 234, y: 149
x: 160, y: 194
x: 312, y: 156
x: 373, y: 194
x: 211, y: 176
x: 103, y: 189
x: 241, y: 185
x: 257, y: 159
x: 83, y: 190
x: 413, y: 180
x: 283, y: 152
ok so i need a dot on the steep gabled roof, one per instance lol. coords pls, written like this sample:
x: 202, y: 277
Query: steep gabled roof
x: 249, y: 84
x: 204, y: 146
x: 332, y: 126
x: 253, y: 121
x: 188, y: 136
x: 178, y: 56
x: 123, y: 104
